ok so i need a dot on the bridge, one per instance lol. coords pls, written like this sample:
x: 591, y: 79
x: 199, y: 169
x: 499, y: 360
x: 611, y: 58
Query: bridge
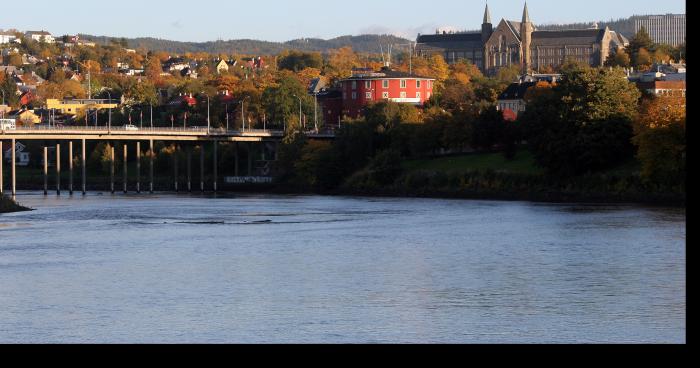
x: 189, y: 137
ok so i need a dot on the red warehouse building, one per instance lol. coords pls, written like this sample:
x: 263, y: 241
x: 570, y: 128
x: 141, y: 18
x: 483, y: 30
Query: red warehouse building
x: 366, y: 86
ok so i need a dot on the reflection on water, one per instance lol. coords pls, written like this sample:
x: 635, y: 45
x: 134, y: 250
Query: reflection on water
x: 316, y: 269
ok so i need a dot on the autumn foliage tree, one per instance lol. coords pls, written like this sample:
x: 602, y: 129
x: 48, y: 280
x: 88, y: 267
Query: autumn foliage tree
x: 661, y: 140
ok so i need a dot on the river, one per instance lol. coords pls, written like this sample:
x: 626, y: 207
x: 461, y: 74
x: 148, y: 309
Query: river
x: 308, y: 269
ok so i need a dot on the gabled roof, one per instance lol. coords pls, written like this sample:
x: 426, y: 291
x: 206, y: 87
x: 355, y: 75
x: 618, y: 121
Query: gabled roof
x: 568, y: 37
x: 450, y: 41
x: 514, y: 27
x: 39, y: 33
x: 516, y: 91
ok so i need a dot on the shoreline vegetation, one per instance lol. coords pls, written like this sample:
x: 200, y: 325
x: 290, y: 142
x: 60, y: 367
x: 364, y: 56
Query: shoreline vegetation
x: 489, y: 176
x: 7, y: 205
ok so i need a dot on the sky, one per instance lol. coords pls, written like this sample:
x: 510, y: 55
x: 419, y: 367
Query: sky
x: 278, y: 20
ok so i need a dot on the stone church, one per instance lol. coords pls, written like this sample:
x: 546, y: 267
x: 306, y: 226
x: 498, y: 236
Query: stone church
x: 520, y: 43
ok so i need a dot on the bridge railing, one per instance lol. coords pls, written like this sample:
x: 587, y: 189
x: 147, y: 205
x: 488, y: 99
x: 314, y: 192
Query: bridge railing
x: 193, y: 130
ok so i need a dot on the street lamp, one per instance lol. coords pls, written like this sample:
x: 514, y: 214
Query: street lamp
x: 227, y: 118
x: 109, y: 119
x: 208, y: 117
x: 316, y: 111
x: 243, y: 111
x: 3, y: 101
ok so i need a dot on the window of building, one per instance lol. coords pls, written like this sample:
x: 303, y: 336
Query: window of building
x: 368, y: 95
x: 368, y: 84
x: 385, y: 84
x: 418, y: 95
x: 385, y: 94
x: 403, y: 83
x: 418, y: 83
x: 354, y: 84
x: 403, y: 95
x: 345, y: 95
x: 354, y: 95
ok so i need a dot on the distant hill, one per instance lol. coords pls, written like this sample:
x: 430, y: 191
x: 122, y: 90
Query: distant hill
x: 362, y: 44
x: 625, y: 26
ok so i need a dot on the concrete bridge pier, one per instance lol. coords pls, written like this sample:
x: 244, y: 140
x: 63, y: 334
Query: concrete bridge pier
x: 58, y: 169
x: 111, y: 168
x: 70, y: 167
x: 175, y: 169
x: 150, y: 157
x: 2, y: 163
x: 14, y: 177
x: 84, y: 169
x: 201, y: 167
x: 138, y: 167
x: 216, y: 165
x: 46, y: 170
x: 189, y: 168
x: 126, y: 168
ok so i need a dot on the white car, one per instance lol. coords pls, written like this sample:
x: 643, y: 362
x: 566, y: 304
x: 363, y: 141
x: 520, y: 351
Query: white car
x: 130, y: 127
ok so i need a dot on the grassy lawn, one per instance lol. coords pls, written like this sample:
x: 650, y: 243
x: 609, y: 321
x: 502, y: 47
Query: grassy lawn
x: 523, y: 163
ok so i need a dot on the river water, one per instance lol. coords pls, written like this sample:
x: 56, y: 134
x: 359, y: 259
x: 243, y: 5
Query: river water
x: 286, y: 269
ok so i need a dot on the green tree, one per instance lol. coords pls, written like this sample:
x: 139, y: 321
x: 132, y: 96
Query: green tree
x: 385, y: 115
x: 296, y: 60
x: 282, y: 102
x: 9, y: 87
x: 584, y: 123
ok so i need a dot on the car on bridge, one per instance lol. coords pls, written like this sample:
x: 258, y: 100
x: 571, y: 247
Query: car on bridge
x: 130, y: 127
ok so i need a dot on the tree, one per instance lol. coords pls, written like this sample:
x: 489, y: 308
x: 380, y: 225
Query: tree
x: 661, y: 140
x: 584, y: 123
x: 297, y: 60
x: 282, y: 105
x: 340, y: 63
x: 643, y: 59
x: 620, y: 58
x: 641, y: 40
x: 385, y: 115
x: 9, y: 87
x: 153, y: 68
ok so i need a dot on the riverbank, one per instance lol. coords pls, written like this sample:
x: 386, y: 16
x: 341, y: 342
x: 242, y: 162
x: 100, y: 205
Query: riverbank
x: 7, y: 205
x: 490, y: 176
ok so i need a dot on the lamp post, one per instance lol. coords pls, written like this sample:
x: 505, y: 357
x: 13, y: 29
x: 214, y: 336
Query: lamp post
x: 109, y: 119
x: 227, y: 118
x: 316, y: 111
x: 243, y: 111
x: 3, y: 102
x: 208, y: 117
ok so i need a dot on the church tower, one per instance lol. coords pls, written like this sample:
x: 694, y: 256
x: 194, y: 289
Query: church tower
x: 486, y: 27
x: 526, y: 29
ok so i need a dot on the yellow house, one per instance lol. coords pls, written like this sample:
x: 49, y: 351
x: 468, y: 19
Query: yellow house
x: 222, y: 67
x: 25, y: 117
x: 73, y: 107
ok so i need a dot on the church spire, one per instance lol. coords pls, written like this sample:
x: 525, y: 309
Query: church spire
x: 487, y: 15
x: 526, y: 15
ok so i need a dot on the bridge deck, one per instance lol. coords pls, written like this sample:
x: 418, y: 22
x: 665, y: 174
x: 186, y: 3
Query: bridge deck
x: 144, y: 134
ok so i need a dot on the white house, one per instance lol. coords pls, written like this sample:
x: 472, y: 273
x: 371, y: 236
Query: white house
x: 7, y: 37
x: 21, y: 157
x: 41, y: 36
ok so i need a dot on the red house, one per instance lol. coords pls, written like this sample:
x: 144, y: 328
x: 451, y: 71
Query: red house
x: 366, y: 86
